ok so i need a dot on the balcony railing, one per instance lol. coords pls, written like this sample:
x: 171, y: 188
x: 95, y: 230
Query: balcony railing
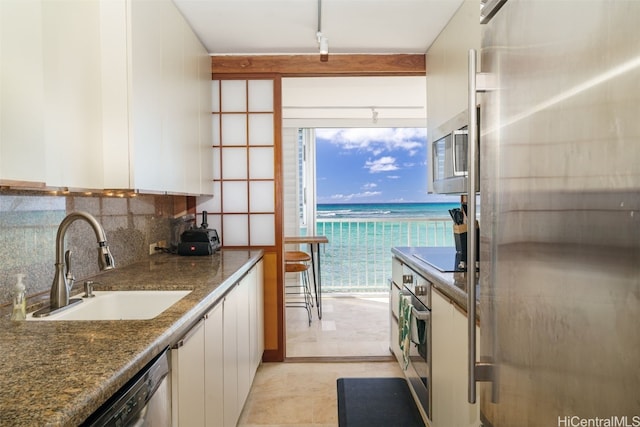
x: 358, y: 255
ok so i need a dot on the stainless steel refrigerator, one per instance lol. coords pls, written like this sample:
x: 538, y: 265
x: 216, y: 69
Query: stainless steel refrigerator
x: 559, y: 148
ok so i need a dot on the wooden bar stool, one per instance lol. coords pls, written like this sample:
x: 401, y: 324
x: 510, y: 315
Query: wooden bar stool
x: 303, y: 257
x: 296, y: 256
x: 299, y: 295
x: 298, y: 262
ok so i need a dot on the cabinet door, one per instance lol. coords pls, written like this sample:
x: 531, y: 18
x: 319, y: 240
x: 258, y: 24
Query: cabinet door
x: 189, y: 143
x: 214, y: 367
x: 72, y: 93
x: 394, y: 333
x: 256, y: 304
x: 174, y: 142
x: 230, y: 378
x: 51, y: 116
x: 170, y: 97
x: 115, y: 94
x: 205, y: 124
x: 465, y: 413
x: 187, y: 383
x: 147, y: 156
x: 396, y: 270
x: 442, y: 357
x: 22, y: 143
x: 244, y: 338
x: 449, y: 370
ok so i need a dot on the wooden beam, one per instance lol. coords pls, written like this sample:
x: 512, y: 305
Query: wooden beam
x: 310, y: 65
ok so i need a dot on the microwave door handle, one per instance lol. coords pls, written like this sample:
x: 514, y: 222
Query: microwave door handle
x: 457, y: 170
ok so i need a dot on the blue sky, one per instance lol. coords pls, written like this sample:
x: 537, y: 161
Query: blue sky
x: 373, y: 165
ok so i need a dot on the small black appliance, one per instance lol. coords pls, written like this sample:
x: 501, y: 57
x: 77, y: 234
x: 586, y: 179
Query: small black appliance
x: 199, y: 241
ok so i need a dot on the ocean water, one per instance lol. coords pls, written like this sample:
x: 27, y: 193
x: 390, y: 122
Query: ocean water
x: 385, y: 210
x: 358, y: 255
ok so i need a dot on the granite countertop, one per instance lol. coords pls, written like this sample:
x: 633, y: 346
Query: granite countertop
x: 58, y: 373
x: 452, y: 285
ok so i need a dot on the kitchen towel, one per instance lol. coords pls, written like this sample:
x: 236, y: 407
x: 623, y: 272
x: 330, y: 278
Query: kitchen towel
x: 404, y: 326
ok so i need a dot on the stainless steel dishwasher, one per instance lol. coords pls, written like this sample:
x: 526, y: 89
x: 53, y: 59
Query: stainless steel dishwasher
x: 144, y: 401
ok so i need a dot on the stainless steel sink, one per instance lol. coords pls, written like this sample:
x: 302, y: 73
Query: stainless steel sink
x: 119, y: 305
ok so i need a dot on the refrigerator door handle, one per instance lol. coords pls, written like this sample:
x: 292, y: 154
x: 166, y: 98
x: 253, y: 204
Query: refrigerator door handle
x: 477, y: 83
x: 471, y: 219
x: 478, y: 371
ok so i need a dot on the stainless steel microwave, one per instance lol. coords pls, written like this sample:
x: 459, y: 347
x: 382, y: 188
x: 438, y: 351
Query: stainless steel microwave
x: 448, y: 151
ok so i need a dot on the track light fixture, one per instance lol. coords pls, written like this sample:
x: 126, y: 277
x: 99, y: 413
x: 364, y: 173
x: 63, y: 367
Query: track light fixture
x: 324, y: 47
x: 323, y: 42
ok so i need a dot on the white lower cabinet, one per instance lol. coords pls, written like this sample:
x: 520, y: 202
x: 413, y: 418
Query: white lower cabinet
x: 394, y: 300
x: 449, y: 368
x: 395, y: 288
x: 213, y: 366
x: 256, y: 314
x: 243, y: 339
x: 187, y: 385
x: 230, y: 350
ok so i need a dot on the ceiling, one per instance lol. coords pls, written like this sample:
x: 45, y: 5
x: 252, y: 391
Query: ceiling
x: 271, y: 27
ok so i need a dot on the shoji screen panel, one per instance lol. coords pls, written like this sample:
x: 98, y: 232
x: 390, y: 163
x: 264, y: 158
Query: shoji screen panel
x: 244, y: 144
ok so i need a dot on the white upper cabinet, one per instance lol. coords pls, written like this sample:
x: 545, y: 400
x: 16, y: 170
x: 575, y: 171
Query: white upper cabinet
x: 72, y: 94
x: 22, y: 147
x: 169, y: 110
x: 50, y: 101
x: 447, y: 76
x: 111, y: 94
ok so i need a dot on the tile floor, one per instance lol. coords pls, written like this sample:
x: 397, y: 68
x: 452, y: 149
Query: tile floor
x: 352, y: 325
x: 304, y: 394
x: 302, y: 391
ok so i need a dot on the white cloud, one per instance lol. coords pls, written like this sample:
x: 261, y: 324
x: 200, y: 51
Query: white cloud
x: 348, y: 197
x: 376, y: 140
x: 383, y: 164
x: 393, y: 176
x: 369, y: 185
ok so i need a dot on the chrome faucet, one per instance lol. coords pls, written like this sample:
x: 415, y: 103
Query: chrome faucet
x: 63, y: 280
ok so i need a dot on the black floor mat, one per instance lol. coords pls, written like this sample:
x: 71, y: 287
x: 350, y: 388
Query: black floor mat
x: 383, y: 402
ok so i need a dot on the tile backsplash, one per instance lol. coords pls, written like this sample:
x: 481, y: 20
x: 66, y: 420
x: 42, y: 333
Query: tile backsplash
x: 29, y: 224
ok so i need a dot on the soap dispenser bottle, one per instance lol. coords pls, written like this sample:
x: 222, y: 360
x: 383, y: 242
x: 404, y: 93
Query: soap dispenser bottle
x: 19, y: 300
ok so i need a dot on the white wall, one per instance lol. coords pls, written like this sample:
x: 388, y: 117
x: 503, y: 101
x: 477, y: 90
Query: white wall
x: 348, y: 101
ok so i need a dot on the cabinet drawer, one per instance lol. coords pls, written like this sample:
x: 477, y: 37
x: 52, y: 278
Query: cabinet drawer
x: 394, y: 333
x: 394, y: 298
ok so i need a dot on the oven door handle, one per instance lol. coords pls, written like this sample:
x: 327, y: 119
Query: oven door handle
x: 421, y: 314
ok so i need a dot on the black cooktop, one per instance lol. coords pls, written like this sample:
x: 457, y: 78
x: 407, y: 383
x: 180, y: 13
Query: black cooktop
x: 444, y: 259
